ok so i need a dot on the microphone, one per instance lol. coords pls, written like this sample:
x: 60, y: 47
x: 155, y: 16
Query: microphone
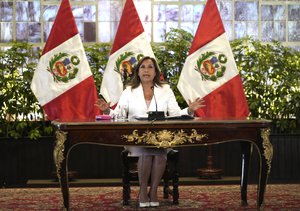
x: 155, y: 115
x: 152, y: 88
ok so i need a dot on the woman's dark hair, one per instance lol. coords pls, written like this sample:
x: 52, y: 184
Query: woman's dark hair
x: 135, y: 82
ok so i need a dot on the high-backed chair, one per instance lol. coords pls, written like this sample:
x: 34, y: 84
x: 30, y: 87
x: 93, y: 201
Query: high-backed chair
x: 130, y: 173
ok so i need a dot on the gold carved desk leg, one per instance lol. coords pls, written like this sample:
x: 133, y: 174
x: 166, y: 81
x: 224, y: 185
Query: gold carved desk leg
x: 59, y: 155
x: 266, y: 150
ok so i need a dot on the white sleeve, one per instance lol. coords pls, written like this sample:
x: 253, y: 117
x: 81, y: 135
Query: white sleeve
x: 122, y: 101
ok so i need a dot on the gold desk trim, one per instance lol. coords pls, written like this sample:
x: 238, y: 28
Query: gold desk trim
x: 58, y: 152
x: 164, y: 138
x: 268, y: 147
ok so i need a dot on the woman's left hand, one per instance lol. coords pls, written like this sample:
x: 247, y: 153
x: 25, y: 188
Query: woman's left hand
x: 103, y: 105
x: 195, y: 105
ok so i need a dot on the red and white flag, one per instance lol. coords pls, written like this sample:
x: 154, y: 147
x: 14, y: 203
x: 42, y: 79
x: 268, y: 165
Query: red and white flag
x: 210, y: 71
x: 129, y: 46
x: 63, y: 82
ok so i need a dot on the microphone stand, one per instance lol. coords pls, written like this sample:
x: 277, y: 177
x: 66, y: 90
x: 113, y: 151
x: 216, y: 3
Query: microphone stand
x: 155, y: 115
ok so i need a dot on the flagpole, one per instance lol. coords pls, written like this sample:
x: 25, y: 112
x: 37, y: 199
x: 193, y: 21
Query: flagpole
x: 210, y: 172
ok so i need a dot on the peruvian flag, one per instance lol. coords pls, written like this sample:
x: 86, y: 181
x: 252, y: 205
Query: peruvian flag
x: 210, y: 71
x: 63, y: 81
x: 129, y: 46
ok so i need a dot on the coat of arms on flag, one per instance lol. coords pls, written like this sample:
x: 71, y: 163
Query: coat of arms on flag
x: 126, y: 63
x: 63, y: 67
x: 211, y: 65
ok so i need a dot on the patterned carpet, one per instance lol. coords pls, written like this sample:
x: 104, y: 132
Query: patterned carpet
x: 214, y: 197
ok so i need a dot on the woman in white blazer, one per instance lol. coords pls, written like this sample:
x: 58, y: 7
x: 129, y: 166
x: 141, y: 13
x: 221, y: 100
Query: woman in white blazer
x: 148, y: 93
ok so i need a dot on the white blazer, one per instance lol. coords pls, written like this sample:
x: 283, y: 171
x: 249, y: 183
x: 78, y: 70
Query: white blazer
x: 137, y: 107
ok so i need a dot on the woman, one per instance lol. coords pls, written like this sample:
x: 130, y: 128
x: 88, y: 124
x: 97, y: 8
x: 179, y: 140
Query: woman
x: 148, y: 93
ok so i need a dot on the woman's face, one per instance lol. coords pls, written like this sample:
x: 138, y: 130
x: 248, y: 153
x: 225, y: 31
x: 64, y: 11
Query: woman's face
x: 147, y: 71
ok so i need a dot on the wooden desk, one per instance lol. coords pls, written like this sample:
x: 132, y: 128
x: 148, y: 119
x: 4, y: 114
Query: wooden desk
x: 171, y: 133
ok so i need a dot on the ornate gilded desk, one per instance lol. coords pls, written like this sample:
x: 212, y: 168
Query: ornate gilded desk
x: 169, y: 133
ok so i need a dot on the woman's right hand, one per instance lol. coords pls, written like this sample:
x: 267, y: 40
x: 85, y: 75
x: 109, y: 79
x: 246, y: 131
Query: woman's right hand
x: 103, y: 105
